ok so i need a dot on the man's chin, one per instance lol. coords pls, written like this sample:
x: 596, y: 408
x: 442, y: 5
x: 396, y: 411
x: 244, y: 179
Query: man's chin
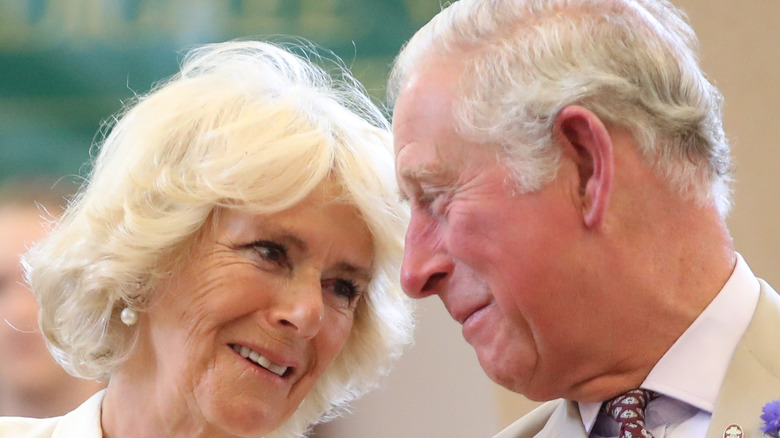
x: 509, y: 379
x: 516, y: 377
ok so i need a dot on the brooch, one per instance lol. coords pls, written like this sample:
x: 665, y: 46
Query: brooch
x: 770, y: 415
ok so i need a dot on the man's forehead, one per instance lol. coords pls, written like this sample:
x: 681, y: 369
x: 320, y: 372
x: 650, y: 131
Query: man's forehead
x: 431, y: 85
x: 423, y: 117
x: 417, y: 104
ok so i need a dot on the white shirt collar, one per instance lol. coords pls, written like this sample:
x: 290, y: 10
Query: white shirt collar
x: 693, y: 369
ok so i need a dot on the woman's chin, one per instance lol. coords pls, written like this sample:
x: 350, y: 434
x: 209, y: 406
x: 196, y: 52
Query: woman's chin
x: 246, y: 419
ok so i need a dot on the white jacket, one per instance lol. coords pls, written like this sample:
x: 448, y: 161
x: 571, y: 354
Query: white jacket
x: 83, y: 422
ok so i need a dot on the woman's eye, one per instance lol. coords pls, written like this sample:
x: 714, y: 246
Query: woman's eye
x: 271, y: 251
x: 346, y: 289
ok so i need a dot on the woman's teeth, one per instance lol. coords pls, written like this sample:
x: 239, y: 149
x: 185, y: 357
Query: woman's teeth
x: 259, y: 359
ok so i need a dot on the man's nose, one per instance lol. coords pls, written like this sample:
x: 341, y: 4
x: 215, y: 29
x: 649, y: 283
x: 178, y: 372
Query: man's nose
x: 426, y: 264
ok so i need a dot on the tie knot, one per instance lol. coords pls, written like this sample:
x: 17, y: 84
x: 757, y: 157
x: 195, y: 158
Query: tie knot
x: 628, y: 410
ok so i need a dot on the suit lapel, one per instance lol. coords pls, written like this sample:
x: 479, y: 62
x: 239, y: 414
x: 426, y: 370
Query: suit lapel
x: 753, y: 377
x: 555, y: 419
x: 565, y: 422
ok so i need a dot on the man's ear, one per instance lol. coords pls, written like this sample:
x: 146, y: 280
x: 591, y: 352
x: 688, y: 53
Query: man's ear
x: 585, y: 139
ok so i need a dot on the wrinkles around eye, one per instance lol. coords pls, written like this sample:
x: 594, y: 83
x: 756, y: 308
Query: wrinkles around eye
x: 272, y: 253
x: 343, y: 289
x: 436, y: 202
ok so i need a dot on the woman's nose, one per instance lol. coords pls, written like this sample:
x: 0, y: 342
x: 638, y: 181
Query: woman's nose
x: 300, y: 308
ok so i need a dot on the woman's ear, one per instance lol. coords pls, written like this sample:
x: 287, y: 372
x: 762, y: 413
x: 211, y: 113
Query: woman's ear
x: 585, y: 139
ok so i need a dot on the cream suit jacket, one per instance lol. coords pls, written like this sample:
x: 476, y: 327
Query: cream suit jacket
x: 83, y: 422
x: 752, y: 380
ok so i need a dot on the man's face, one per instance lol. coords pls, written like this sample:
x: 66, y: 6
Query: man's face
x: 501, y: 262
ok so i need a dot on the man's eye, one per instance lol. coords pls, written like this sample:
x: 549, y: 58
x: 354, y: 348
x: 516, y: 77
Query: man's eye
x: 435, y: 202
x: 426, y: 199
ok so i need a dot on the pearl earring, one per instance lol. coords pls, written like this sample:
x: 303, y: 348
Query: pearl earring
x: 128, y: 316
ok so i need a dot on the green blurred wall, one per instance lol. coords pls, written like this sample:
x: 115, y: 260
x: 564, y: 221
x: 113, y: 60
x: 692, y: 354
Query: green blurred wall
x: 67, y: 65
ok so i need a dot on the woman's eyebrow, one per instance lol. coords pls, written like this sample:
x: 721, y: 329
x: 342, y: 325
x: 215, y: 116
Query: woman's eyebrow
x: 268, y: 229
x: 361, y: 273
x: 289, y: 239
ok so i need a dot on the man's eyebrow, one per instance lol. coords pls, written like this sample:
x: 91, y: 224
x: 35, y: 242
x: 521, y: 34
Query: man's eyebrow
x: 417, y: 178
x: 430, y: 174
x: 402, y: 196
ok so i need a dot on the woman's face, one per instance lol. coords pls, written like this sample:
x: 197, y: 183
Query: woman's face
x: 240, y: 334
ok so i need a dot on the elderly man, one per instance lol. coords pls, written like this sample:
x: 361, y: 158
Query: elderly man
x: 569, y: 177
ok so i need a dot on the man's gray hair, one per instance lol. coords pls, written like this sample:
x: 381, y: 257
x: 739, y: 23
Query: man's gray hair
x: 634, y: 63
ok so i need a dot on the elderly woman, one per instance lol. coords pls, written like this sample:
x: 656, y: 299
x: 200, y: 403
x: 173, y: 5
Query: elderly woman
x: 231, y: 267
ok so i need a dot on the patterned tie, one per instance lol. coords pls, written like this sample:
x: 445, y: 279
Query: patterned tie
x: 629, y: 411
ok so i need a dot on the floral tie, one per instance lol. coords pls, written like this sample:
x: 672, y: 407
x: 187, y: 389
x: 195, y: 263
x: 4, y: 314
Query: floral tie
x: 628, y: 410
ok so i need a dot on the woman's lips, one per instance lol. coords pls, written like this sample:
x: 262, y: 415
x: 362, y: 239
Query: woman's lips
x: 260, y: 360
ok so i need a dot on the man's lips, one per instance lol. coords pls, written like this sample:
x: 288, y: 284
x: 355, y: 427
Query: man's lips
x: 463, y: 315
x: 475, y: 322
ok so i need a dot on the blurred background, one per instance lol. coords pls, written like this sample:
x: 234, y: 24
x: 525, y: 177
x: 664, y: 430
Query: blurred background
x: 67, y: 65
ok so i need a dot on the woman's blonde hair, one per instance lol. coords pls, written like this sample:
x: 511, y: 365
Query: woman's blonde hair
x: 244, y: 124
